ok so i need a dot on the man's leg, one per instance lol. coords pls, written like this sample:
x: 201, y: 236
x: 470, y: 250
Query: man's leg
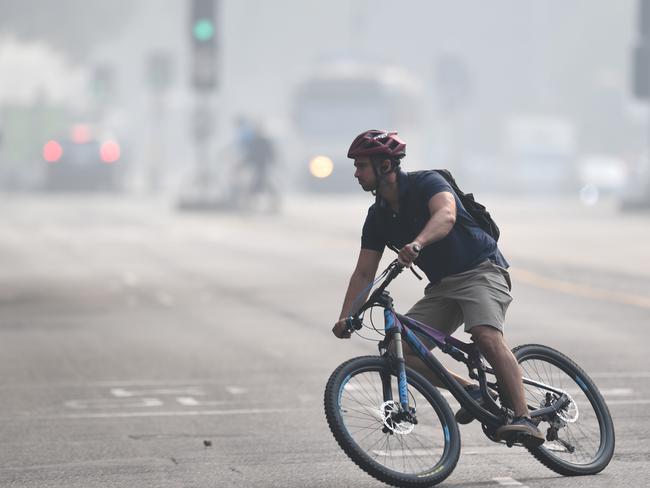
x: 492, y: 345
x: 444, y: 315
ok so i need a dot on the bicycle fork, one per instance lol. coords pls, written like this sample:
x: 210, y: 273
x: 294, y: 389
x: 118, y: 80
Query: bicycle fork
x: 391, y: 328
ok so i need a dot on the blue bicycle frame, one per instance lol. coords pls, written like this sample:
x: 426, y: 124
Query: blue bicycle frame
x: 396, y: 330
x: 400, y: 328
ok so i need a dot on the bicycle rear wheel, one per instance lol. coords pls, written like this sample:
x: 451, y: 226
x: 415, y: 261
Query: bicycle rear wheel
x: 393, y: 450
x: 580, y: 437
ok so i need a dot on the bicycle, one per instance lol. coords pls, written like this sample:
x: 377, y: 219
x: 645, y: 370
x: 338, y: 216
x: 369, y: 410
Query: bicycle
x: 397, y: 427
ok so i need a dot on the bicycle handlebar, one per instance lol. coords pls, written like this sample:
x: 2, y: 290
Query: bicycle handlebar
x: 353, y: 322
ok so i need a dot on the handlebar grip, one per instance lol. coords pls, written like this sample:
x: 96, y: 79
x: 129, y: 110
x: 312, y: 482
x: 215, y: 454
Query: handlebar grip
x: 353, y: 323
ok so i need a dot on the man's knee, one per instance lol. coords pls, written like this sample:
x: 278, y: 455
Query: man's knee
x: 488, y: 339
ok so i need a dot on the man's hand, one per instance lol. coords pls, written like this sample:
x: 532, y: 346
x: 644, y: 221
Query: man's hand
x: 340, y: 329
x: 409, y: 253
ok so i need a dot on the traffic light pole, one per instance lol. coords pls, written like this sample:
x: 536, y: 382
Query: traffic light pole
x: 203, y: 14
x: 203, y: 128
x: 641, y: 88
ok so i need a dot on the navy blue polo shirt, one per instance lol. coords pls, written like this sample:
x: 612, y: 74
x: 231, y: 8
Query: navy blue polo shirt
x: 465, y: 247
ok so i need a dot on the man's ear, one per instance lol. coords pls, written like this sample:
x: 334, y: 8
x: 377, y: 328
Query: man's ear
x: 386, y: 166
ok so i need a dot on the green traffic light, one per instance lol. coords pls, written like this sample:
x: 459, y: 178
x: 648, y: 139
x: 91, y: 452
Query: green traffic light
x: 203, y: 30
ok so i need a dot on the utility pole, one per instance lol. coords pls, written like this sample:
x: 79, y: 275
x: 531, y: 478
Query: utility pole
x: 641, y: 90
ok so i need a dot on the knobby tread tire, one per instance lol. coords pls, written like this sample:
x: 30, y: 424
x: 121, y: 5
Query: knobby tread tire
x: 358, y: 456
x: 606, y: 452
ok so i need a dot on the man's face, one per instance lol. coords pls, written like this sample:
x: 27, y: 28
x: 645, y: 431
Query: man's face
x: 365, y: 174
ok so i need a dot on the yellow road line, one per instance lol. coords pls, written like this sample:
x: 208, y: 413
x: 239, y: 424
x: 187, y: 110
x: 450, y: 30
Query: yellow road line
x: 535, y: 279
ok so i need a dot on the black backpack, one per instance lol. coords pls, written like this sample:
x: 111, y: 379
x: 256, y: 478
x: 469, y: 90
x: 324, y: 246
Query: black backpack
x: 475, y: 209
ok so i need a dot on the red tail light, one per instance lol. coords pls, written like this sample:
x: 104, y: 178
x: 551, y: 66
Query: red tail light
x: 52, y: 151
x: 109, y: 152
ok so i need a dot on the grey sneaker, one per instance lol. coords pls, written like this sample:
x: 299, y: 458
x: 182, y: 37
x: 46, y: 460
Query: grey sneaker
x: 521, y: 426
x: 463, y: 416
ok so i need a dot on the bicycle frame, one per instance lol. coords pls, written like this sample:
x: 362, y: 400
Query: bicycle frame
x: 400, y: 328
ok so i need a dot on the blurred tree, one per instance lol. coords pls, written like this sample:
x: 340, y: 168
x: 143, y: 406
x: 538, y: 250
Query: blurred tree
x: 71, y: 25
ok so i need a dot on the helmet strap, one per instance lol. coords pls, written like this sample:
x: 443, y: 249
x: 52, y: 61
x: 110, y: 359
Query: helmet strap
x: 380, y: 175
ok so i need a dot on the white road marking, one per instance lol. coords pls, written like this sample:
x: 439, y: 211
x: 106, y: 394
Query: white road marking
x: 621, y: 374
x: 193, y: 402
x: 188, y: 390
x: 505, y: 481
x: 165, y: 299
x: 187, y: 401
x: 114, y: 403
x: 236, y: 390
x: 617, y: 392
x: 305, y: 398
x: 410, y: 453
x: 179, y: 413
x: 130, y: 279
x: 642, y: 401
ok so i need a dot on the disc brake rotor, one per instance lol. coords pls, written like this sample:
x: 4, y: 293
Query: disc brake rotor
x: 569, y: 413
x: 388, y: 411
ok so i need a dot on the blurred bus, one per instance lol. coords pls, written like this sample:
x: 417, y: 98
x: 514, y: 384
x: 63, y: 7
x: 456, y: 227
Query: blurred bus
x: 334, y: 103
x: 541, y: 154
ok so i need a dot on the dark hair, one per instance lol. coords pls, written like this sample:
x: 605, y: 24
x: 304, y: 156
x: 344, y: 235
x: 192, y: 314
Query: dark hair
x: 378, y: 159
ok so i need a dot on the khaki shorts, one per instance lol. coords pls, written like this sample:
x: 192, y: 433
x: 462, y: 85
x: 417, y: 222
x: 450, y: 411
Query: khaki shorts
x: 479, y: 296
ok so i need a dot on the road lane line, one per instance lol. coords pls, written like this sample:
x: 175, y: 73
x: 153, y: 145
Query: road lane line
x: 585, y: 291
x: 188, y: 401
x: 193, y: 402
x: 189, y: 390
x: 179, y: 413
x: 641, y: 401
x: 104, y: 403
x: 621, y: 374
x: 410, y: 453
x: 236, y: 390
x: 505, y: 481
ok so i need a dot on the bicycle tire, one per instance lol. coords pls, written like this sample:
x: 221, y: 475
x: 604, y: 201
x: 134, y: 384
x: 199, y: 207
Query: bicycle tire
x: 337, y: 400
x: 590, y: 410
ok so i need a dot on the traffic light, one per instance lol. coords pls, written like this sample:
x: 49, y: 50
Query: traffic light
x: 204, y: 44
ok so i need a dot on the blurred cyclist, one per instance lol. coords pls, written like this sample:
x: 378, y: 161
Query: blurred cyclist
x: 256, y: 159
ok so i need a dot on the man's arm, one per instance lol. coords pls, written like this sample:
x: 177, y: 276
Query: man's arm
x: 442, y: 208
x: 363, y: 274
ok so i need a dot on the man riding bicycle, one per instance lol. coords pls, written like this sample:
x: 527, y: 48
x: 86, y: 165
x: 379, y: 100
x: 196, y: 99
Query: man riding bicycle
x: 420, y: 215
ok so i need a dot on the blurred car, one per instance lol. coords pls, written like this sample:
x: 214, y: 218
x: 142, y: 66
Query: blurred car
x: 605, y: 172
x: 84, y: 160
x: 635, y: 195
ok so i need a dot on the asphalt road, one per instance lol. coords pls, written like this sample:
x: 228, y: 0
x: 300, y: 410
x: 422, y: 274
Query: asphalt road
x: 144, y: 347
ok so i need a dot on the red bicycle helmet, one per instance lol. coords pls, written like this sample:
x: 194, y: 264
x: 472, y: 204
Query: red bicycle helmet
x: 377, y: 142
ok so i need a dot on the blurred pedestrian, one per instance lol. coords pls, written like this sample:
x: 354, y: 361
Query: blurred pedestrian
x: 257, y: 156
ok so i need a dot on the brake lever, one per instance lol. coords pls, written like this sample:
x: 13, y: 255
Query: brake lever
x: 415, y: 273
x: 417, y: 249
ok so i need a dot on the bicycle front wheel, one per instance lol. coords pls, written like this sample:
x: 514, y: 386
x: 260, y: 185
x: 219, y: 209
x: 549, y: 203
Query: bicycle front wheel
x: 367, y: 425
x: 580, y: 436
